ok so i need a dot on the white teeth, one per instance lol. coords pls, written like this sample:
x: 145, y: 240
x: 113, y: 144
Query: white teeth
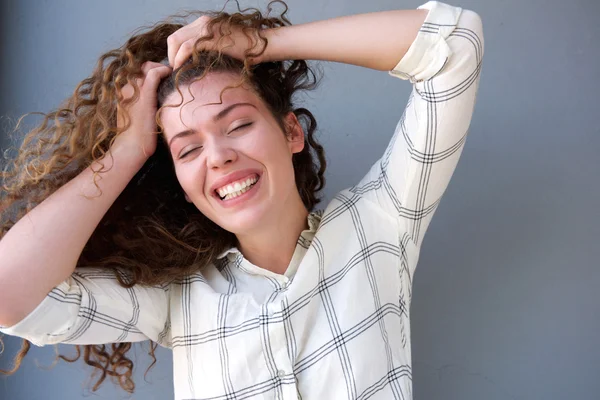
x: 237, y: 188
x: 236, y: 194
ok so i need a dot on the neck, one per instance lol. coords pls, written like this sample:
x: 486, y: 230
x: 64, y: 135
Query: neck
x: 273, y: 246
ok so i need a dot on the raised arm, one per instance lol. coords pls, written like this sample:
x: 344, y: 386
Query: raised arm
x: 444, y: 65
x: 439, y: 48
x: 41, y: 298
x: 374, y: 40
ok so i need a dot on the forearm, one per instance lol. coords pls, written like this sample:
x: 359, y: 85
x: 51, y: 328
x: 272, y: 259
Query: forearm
x: 375, y: 40
x: 42, y: 248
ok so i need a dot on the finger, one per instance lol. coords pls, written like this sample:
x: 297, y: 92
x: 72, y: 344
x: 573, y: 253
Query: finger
x: 184, y: 52
x: 174, y: 41
x: 182, y: 35
x: 128, y: 91
x: 153, y: 78
x: 148, y: 65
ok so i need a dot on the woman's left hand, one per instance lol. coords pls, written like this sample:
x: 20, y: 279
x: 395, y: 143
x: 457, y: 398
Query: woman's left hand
x: 181, y: 43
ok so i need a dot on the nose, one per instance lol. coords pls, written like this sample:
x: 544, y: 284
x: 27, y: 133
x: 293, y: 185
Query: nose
x: 220, y: 153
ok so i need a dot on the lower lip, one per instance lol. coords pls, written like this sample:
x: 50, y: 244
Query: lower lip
x: 247, y: 195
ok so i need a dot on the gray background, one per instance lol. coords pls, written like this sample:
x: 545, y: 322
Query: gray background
x: 505, y: 296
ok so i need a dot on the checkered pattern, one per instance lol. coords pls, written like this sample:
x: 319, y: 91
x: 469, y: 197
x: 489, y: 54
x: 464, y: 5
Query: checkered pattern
x: 336, y: 325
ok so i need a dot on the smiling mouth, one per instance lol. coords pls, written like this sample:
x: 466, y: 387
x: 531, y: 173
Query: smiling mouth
x: 238, y: 193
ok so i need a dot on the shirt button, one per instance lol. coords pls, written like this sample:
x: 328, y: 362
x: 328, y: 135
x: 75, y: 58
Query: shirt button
x: 281, y: 373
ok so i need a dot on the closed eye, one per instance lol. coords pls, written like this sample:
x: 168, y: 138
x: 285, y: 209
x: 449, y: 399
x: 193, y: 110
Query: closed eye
x: 185, y: 154
x: 241, y: 126
x: 196, y: 148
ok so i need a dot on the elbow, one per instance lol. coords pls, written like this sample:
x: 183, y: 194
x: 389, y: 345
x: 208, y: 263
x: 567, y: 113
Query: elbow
x: 472, y: 25
x: 8, y: 320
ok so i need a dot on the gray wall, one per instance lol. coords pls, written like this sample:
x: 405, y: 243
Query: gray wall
x: 505, y: 295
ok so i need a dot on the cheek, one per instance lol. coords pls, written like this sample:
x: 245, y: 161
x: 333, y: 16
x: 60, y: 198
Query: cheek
x: 191, y: 181
x: 279, y: 164
x: 269, y: 148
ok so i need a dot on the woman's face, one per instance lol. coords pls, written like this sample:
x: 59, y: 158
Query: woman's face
x: 215, y: 146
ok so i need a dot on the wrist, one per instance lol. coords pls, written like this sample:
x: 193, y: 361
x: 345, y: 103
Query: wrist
x: 129, y: 155
x: 274, y: 50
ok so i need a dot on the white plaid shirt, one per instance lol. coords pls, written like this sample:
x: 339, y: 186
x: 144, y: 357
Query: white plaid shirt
x: 336, y: 325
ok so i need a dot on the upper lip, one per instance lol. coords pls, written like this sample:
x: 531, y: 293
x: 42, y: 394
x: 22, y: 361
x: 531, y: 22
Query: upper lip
x: 232, y: 177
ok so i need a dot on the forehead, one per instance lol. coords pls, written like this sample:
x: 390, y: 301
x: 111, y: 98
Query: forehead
x: 201, y: 100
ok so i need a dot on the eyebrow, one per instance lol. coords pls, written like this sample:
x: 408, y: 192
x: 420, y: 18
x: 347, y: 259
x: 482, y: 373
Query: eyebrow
x: 222, y: 114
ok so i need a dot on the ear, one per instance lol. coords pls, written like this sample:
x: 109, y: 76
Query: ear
x: 295, y: 133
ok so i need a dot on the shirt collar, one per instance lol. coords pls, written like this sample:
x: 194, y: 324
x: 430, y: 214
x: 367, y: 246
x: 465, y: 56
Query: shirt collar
x: 314, y: 219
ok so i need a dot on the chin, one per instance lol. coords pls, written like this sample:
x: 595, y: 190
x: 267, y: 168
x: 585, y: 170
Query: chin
x: 244, y: 221
x: 242, y: 225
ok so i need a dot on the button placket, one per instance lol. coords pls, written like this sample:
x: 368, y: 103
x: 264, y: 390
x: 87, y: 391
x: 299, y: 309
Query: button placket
x: 279, y: 348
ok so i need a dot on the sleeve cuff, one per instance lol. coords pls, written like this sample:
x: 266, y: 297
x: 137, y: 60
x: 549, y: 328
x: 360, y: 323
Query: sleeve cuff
x: 428, y: 54
x: 44, y: 320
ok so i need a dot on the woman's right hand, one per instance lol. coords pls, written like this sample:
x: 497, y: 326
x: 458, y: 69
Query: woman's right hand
x: 141, y: 136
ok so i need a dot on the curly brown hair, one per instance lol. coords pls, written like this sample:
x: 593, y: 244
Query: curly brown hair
x: 163, y: 237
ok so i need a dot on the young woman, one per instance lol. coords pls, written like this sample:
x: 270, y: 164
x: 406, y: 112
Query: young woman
x: 206, y: 241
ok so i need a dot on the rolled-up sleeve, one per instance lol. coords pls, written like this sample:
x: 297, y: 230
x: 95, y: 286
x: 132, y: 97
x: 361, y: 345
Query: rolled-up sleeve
x: 90, y: 307
x: 443, y: 64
